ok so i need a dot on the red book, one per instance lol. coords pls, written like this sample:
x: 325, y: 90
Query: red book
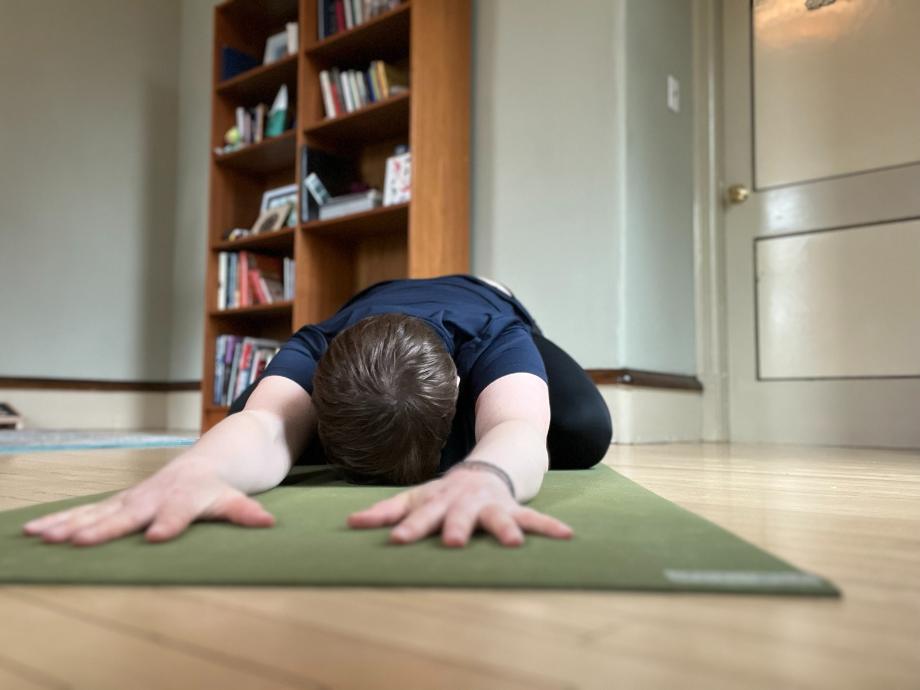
x: 255, y: 287
x: 339, y: 15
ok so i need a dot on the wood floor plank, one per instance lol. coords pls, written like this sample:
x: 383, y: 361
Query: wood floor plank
x: 435, y: 627
x: 77, y: 652
x: 17, y: 676
x: 852, y: 515
x: 310, y: 647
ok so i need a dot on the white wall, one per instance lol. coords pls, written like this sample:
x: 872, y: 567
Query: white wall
x: 87, y: 188
x: 546, y: 177
x: 583, y: 179
x: 658, y: 305
x: 194, y: 124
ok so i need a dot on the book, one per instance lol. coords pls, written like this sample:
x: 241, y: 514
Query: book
x: 239, y: 362
x: 234, y: 62
x: 350, y: 203
x: 328, y: 97
x: 336, y: 172
x: 222, y: 262
x: 317, y: 189
x: 397, y: 186
x: 292, y: 37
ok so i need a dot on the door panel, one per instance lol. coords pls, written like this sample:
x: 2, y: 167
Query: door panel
x: 818, y: 297
x: 835, y: 88
x: 865, y: 411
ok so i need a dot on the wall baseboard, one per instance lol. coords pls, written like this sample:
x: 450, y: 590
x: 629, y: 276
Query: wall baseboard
x: 644, y: 379
x: 649, y: 415
x: 108, y: 409
x: 36, y: 383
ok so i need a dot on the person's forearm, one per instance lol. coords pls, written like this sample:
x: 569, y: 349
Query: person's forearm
x: 248, y: 450
x: 520, y: 450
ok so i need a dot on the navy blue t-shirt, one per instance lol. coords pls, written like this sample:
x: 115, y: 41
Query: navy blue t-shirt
x: 488, y: 334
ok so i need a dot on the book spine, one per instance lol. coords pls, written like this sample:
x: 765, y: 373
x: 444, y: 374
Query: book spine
x: 222, y: 280
x: 243, y: 281
x: 382, y: 80
x: 234, y: 368
x: 340, y: 15
x: 362, y: 90
x: 328, y: 100
x: 346, y: 91
x: 355, y: 90
x: 243, y: 371
x: 292, y: 38
x: 218, y: 368
x: 320, y: 20
x: 232, y: 296
x: 255, y: 287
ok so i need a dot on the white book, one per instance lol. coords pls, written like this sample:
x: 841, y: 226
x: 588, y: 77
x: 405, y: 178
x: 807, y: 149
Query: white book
x: 355, y: 93
x: 222, y: 280
x: 346, y: 91
x: 350, y: 203
x: 292, y: 37
x: 349, y: 19
x: 326, y: 87
x: 356, y: 12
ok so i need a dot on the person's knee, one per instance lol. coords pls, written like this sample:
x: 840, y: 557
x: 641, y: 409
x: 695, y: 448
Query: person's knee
x: 581, y: 437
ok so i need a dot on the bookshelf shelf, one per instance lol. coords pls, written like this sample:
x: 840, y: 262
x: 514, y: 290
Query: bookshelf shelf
x: 381, y: 220
x: 382, y: 38
x: 269, y: 155
x: 265, y: 310
x: 376, y: 121
x: 278, y: 241
x: 334, y: 259
x: 261, y: 83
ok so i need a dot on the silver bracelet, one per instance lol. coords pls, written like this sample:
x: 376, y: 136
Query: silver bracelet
x: 488, y: 467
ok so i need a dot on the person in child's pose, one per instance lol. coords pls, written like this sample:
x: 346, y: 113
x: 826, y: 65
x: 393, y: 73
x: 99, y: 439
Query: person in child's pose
x: 444, y: 383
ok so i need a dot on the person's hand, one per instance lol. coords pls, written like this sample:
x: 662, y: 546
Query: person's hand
x: 164, y: 504
x: 456, y: 504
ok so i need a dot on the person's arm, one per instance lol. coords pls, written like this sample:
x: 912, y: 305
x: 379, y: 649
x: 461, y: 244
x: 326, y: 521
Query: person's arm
x: 247, y: 452
x: 512, y: 421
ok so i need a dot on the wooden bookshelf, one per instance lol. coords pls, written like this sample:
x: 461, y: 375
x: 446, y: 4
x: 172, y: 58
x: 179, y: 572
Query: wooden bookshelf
x: 336, y: 258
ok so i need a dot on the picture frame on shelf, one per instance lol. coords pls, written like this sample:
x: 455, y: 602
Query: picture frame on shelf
x: 273, y: 198
x: 276, y: 47
x: 271, y: 220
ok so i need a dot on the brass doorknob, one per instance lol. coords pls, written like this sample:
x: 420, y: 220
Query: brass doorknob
x: 738, y: 194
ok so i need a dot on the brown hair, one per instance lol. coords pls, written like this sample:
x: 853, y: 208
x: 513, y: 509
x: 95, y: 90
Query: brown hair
x: 385, y: 393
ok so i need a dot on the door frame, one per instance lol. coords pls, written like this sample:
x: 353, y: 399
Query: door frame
x: 708, y: 220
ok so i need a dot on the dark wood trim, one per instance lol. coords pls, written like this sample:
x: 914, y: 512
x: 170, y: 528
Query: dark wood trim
x: 91, y: 385
x: 644, y: 379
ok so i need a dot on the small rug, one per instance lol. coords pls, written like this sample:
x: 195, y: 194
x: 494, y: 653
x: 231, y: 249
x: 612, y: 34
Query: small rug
x: 626, y: 538
x: 40, y: 440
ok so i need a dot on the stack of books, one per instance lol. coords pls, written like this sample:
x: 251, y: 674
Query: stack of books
x: 338, y: 15
x: 349, y: 90
x: 239, y: 362
x: 245, y: 279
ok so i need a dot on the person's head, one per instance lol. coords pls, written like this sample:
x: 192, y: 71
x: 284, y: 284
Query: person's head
x: 385, y: 394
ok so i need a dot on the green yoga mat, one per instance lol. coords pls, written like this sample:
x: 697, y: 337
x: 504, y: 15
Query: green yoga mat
x: 625, y: 538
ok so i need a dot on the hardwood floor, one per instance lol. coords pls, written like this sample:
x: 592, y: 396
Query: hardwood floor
x: 851, y: 515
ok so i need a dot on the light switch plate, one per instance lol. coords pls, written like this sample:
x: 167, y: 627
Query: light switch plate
x: 673, y: 94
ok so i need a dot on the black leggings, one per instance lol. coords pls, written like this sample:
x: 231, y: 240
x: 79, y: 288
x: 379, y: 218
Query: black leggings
x: 580, y: 430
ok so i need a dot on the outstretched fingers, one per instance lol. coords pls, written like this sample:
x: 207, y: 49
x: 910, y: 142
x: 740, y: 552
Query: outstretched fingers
x: 383, y: 513
x: 540, y: 523
x: 499, y: 521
